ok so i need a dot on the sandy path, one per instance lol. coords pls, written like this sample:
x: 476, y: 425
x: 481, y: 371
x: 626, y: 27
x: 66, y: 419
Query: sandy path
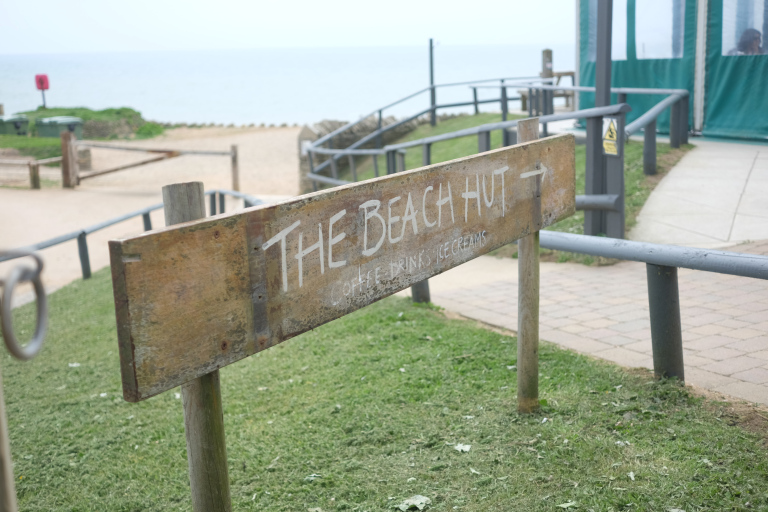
x: 268, y: 167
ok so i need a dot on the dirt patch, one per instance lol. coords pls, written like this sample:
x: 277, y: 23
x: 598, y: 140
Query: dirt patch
x: 736, y: 412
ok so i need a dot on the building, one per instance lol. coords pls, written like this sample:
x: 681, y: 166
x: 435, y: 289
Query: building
x: 712, y: 48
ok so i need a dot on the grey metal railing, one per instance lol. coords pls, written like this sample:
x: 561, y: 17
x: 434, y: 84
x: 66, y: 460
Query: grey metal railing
x: 662, y: 262
x: 81, y: 234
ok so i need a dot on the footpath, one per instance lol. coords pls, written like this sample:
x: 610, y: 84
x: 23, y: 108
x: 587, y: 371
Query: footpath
x: 716, y: 196
x: 268, y: 169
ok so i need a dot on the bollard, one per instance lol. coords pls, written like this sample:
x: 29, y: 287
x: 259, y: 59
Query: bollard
x: 34, y: 175
x: 666, y: 328
x: 203, y: 412
x: 147, y: 221
x: 69, y: 169
x: 85, y: 260
x: 649, y: 149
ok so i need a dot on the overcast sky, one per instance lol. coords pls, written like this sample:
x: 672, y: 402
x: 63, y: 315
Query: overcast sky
x: 75, y: 26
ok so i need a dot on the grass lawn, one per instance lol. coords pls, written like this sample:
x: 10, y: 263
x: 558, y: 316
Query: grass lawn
x: 638, y: 186
x: 38, y: 147
x: 366, y: 411
x: 47, y: 147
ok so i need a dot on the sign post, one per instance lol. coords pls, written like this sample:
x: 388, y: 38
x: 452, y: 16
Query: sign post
x: 203, y: 412
x: 528, y: 290
x: 200, y: 295
x: 42, y: 85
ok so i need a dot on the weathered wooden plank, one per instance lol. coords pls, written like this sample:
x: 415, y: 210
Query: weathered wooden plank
x: 198, y: 296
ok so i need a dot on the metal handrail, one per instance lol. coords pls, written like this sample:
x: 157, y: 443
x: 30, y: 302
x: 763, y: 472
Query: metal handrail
x: 80, y: 234
x: 579, y: 114
x: 329, y: 136
x: 708, y: 260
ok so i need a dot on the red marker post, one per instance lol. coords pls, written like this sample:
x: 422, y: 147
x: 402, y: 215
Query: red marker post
x: 42, y: 85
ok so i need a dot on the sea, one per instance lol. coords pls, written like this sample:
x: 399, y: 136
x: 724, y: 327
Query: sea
x: 266, y: 86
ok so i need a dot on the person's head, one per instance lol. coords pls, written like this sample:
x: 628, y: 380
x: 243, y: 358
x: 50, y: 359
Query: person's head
x: 750, y: 42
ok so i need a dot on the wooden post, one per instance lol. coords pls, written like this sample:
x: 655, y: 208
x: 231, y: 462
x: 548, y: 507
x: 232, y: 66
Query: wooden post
x: 528, y: 295
x: 34, y: 175
x: 235, y: 170
x: 203, y: 411
x: 69, y: 168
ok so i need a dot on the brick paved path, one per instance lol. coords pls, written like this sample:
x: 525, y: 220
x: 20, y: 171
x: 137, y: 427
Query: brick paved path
x: 603, y: 311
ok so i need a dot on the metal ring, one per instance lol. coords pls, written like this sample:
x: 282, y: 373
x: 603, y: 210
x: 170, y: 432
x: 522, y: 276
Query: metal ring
x: 22, y: 274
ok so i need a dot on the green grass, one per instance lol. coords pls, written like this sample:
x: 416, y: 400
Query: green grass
x: 441, y: 151
x: 47, y: 147
x: 37, y: 147
x: 333, y: 402
x: 131, y: 116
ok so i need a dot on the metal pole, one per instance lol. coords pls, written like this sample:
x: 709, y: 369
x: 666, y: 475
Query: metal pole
x: 546, y: 72
x: 8, y: 494
x: 400, y: 161
x: 595, y: 220
x: 649, y: 149
x: 530, y: 102
x: 666, y: 328
x: 212, y: 208
x: 235, y: 170
x: 85, y: 260
x: 221, y: 202
x: 474, y: 97
x: 334, y: 167
x: 376, y: 165
x: 352, y: 167
x: 147, y: 221
x: 621, y: 98
x: 390, y: 162
x: 684, y: 113
x: 504, y: 102
x: 614, y: 183
x: 432, y: 95
x: 203, y: 411
x: 674, y: 125
x: 420, y: 290
x: 483, y: 142
x: 378, y: 136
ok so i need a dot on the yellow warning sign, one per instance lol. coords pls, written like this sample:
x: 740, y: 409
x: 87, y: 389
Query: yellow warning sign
x: 610, y: 139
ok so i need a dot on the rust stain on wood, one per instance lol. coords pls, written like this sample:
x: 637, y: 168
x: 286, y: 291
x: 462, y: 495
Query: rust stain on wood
x: 194, y: 297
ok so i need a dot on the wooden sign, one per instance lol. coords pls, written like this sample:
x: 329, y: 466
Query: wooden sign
x: 194, y: 297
